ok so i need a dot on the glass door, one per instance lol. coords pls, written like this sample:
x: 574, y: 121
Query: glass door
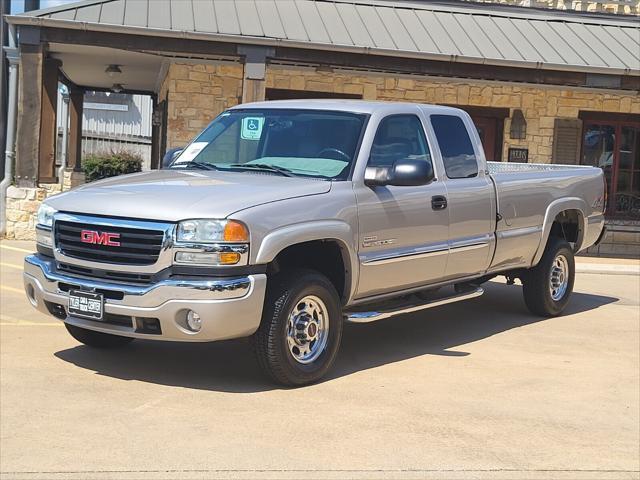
x: 615, y: 147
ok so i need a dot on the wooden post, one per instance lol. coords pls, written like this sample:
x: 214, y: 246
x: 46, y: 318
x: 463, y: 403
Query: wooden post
x: 156, y: 161
x: 74, y: 153
x: 48, y: 127
x: 29, y: 111
x: 253, y: 83
x: 253, y: 90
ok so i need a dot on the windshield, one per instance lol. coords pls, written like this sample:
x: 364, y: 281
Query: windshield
x: 308, y: 143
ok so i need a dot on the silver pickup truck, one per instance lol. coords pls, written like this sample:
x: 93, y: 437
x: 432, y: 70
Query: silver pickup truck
x: 282, y: 220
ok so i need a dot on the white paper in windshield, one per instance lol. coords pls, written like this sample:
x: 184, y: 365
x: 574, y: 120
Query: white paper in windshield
x: 191, y: 152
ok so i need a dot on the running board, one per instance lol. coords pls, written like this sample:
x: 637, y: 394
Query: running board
x: 366, y: 317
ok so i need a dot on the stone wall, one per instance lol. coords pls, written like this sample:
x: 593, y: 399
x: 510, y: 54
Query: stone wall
x: 540, y: 105
x: 196, y: 94
x: 23, y: 203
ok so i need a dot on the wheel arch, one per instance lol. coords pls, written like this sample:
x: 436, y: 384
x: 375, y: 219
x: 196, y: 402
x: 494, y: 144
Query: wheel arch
x: 315, y: 238
x: 564, y: 211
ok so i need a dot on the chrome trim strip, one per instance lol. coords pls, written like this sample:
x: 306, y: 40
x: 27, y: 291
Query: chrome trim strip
x: 519, y: 232
x: 465, y: 248
x: 219, y: 289
x: 372, y: 316
x: 405, y: 254
x: 476, y: 242
x: 432, y: 250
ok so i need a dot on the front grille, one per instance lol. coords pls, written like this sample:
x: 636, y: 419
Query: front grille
x: 137, y: 246
x: 125, y: 277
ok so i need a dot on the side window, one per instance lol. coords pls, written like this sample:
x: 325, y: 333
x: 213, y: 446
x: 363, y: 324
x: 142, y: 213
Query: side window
x: 399, y: 136
x: 455, y: 145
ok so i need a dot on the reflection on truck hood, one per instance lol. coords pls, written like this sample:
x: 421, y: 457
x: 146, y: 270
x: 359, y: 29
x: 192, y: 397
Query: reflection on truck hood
x: 173, y: 195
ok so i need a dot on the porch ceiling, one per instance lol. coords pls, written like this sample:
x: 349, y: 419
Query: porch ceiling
x: 85, y: 66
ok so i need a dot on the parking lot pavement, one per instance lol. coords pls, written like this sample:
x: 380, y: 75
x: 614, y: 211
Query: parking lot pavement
x: 480, y: 389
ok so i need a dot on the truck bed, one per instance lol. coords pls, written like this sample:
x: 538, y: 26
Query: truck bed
x: 525, y: 191
x: 511, y: 167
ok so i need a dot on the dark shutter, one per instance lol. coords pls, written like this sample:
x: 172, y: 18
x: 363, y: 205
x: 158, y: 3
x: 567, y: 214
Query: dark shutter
x: 567, y: 140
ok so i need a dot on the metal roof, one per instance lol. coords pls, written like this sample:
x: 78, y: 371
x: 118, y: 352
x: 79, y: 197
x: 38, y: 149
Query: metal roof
x: 414, y: 29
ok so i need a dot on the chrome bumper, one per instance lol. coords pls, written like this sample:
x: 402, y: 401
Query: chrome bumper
x: 229, y: 307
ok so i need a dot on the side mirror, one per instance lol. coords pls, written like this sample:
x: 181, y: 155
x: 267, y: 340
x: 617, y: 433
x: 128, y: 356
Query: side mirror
x: 406, y: 172
x: 170, y: 156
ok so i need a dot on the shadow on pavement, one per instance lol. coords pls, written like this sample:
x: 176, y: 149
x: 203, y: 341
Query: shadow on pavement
x: 230, y: 367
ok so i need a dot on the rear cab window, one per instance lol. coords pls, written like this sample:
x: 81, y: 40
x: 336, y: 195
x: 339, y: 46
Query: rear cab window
x: 457, y: 151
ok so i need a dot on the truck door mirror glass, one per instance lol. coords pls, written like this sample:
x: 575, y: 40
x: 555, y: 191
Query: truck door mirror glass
x: 406, y: 172
x: 170, y: 156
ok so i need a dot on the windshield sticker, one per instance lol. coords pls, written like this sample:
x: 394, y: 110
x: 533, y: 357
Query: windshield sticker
x: 252, y: 128
x: 191, y: 152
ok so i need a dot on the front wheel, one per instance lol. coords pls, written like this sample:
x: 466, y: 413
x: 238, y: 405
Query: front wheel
x: 299, y: 336
x: 548, y: 286
x: 97, y: 339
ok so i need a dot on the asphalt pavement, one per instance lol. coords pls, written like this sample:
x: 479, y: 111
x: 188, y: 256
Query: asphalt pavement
x: 479, y: 389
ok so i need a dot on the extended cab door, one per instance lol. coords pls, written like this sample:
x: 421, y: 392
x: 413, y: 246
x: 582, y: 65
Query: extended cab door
x: 470, y: 194
x: 403, y: 230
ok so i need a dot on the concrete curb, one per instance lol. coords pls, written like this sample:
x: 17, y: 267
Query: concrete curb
x: 607, y: 269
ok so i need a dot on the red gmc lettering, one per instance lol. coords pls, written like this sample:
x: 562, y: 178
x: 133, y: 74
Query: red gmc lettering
x: 100, y: 238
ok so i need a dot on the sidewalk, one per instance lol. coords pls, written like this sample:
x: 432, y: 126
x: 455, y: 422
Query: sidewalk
x: 608, y: 266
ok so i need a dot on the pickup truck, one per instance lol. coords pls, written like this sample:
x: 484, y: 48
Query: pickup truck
x: 283, y: 220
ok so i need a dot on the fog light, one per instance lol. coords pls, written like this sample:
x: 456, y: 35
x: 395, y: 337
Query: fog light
x: 31, y: 295
x: 194, y: 322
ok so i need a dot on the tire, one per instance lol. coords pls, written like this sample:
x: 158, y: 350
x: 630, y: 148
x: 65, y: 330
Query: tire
x: 97, y: 339
x: 282, y: 346
x: 557, y: 265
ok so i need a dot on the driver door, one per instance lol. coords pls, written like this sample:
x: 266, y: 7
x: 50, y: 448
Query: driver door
x: 403, y: 239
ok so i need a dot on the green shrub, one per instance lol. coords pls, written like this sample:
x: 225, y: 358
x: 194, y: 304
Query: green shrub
x: 102, y: 165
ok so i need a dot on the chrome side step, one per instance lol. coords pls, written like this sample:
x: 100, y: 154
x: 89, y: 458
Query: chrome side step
x: 366, y: 317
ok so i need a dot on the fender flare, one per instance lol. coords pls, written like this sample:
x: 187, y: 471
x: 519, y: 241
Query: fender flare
x: 553, y: 210
x: 329, y: 230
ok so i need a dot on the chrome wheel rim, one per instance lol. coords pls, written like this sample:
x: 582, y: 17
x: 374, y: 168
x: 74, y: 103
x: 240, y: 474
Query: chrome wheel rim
x: 559, y: 277
x: 307, y: 329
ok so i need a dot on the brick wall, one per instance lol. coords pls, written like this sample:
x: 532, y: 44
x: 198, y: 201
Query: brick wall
x: 23, y: 203
x: 196, y: 94
x: 540, y: 105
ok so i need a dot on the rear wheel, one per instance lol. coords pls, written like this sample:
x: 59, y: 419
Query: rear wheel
x: 97, y: 339
x: 548, y: 286
x: 301, y: 328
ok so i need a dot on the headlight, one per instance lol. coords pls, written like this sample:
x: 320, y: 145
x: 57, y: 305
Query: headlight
x: 45, y: 215
x: 212, y: 231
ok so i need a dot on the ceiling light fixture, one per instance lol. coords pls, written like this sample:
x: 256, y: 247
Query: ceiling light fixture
x: 113, y: 70
x: 117, y: 88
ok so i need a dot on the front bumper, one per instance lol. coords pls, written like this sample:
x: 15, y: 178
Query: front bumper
x: 229, y: 307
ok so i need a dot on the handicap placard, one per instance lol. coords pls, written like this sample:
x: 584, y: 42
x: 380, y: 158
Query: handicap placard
x: 252, y: 128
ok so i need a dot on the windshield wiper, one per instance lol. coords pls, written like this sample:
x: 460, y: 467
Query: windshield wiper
x: 285, y: 172
x: 197, y: 165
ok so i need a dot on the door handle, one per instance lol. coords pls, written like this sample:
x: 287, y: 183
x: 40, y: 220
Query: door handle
x: 438, y: 202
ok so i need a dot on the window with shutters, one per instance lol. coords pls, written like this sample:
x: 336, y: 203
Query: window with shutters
x: 614, y: 145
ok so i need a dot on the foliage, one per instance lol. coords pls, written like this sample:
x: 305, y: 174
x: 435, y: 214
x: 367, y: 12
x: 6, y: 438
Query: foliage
x: 110, y: 164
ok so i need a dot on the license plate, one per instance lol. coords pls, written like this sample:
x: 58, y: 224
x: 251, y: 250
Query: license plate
x: 86, y: 304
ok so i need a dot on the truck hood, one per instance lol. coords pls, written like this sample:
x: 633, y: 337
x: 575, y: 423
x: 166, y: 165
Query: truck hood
x: 170, y: 195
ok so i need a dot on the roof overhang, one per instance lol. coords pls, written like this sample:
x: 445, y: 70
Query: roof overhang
x: 270, y: 42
